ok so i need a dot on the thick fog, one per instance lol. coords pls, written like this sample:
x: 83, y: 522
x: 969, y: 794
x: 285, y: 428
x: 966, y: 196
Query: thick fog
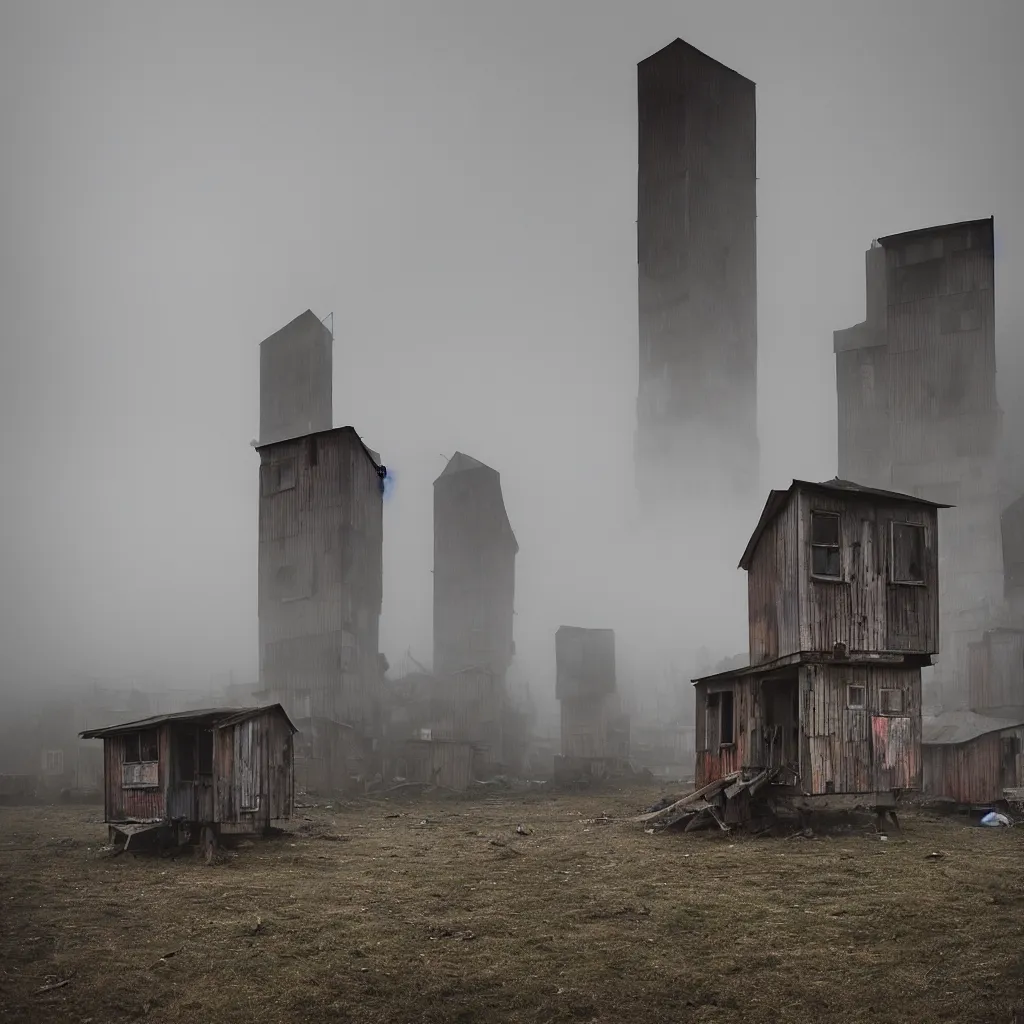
x: 457, y: 183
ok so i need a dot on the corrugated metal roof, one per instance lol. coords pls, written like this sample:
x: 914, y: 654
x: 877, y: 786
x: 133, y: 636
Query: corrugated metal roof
x: 214, y: 717
x: 777, y: 501
x: 955, y: 727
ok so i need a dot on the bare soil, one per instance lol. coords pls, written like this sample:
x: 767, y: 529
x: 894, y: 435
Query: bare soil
x: 437, y: 909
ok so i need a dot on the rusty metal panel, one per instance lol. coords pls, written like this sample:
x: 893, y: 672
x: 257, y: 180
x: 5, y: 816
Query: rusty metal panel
x: 773, y: 586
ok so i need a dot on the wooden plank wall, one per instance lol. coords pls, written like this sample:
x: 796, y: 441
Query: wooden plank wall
x: 320, y: 579
x: 864, y: 610
x: 714, y: 760
x: 845, y: 747
x: 996, y: 672
x: 773, y: 587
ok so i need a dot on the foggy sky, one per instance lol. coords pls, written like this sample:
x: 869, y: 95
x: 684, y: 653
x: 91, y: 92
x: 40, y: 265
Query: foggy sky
x: 457, y: 183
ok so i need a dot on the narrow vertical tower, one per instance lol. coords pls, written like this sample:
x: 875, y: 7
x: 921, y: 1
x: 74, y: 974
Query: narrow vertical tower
x: 697, y: 278
x: 474, y: 570
x: 295, y: 380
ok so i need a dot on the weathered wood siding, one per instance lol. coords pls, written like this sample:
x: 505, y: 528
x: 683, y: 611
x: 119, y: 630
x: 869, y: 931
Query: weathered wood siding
x: 774, y: 583
x: 255, y: 776
x: 713, y: 759
x: 996, y: 672
x: 320, y: 573
x: 975, y: 772
x: 135, y: 802
x: 865, y: 610
x: 434, y: 762
x: 848, y: 750
x: 474, y: 570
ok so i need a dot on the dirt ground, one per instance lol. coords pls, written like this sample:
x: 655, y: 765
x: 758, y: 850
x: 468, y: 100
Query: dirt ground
x: 438, y: 910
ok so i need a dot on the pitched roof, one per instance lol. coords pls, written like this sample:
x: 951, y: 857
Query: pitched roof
x: 461, y: 463
x: 680, y: 46
x: 373, y: 456
x: 214, y: 718
x: 963, y: 726
x: 308, y: 321
x: 777, y: 501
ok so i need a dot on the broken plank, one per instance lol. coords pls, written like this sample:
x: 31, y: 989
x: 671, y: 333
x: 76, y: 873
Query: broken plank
x: 692, y: 798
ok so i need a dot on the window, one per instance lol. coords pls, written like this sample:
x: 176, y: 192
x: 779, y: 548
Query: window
x: 726, y: 727
x: 719, y: 720
x: 205, y: 753
x: 141, y: 746
x: 891, y: 702
x: 856, y: 697
x: 53, y: 762
x: 825, y: 552
x: 907, y: 553
x: 277, y: 476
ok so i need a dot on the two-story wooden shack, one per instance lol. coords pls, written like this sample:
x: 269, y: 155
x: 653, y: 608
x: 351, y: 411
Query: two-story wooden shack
x: 843, y: 614
x: 198, y: 773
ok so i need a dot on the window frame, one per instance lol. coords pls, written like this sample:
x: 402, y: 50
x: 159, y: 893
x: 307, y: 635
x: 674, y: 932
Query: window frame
x: 132, y: 742
x: 837, y: 547
x: 271, y: 474
x: 851, y: 704
x: 923, y: 534
x: 888, y: 711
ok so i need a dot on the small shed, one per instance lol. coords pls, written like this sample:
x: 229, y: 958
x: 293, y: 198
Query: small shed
x: 973, y: 760
x: 210, y: 771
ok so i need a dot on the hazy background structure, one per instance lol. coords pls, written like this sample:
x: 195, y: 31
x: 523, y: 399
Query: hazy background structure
x: 697, y: 275
x: 918, y: 412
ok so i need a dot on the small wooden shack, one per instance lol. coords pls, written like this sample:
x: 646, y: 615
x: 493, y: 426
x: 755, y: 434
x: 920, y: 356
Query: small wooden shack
x: 843, y: 613
x: 198, y: 773
x: 973, y: 760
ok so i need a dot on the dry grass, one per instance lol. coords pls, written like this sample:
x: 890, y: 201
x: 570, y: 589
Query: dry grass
x: 444, y: 913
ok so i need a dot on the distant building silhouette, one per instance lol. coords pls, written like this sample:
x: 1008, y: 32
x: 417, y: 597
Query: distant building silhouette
x: 697, y: 277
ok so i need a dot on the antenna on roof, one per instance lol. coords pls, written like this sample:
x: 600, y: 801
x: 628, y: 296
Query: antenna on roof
x: 446, y: 458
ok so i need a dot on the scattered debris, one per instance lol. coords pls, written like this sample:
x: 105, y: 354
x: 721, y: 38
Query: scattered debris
x: 995, y: 820
x: 522, y: 830
x: 934, y: 856
x: 258, y: 926
x: 52, y: 986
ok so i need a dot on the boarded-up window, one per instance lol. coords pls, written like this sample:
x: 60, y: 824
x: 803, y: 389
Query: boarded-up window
x: 53, y: 762
x: 891, y: 702
x: 278, y: 476
x: 907, y: 553
x: 826, y: 560
x: 856, y: 697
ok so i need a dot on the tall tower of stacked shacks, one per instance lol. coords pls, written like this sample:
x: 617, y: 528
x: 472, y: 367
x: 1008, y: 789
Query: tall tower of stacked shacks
x: 918, y: 413
x: 320, y: 560
x: 696, y: 438
x: 474, y: 595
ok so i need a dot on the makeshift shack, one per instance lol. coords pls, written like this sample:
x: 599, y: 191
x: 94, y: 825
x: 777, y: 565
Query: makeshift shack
x: 197, y: 774
x: 972, y: 760
x: 843, y: 613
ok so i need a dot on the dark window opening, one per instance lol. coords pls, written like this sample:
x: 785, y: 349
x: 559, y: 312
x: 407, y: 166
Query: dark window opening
x: 205, y: 754
x: 891, y: 702
x: 826, y: 559
x: 726, y: 729
x: 907, y: 553
x: 141, y: 746
x: 856, y: 697
x: 185, y: 755
x: 277, y: 476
